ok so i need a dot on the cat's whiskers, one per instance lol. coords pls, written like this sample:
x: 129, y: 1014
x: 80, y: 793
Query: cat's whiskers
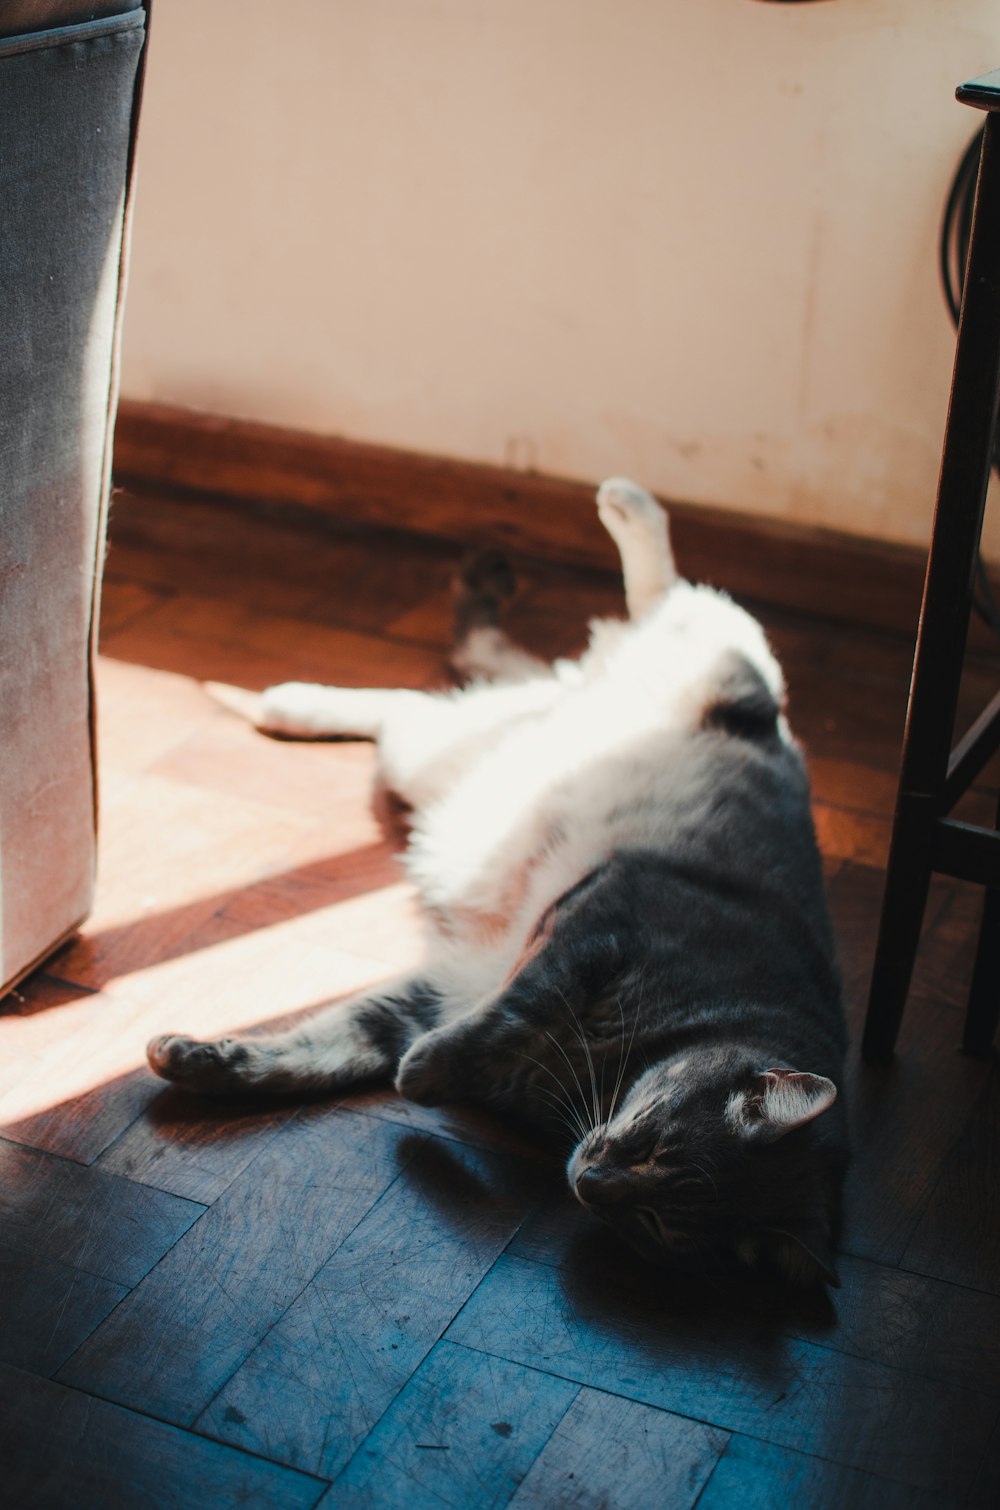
x: 622, y: 1057
x: 564, y: 1100
x: 588, y: 1058
x: 572, y: 1069
x: 558, y: 1108
x: 604, y: 1060
x: 624, y: 1052
x: 569, y: 1114
x: 621, y: 1062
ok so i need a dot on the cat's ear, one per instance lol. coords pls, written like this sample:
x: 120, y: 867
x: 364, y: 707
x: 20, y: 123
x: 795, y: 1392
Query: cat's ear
x: 778, y: 1101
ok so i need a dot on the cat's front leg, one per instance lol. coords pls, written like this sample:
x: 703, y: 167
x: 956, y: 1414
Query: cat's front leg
x: 225, y: 1065
x: 460, y: 1062
x: 424, y: 1074
x: 345, y: 1043
x: 571, y: 961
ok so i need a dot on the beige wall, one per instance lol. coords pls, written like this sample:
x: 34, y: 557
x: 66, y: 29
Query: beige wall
x: 690, y: 240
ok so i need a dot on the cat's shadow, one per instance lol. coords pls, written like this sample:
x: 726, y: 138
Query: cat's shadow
x: 652, y: 1313
x: 645, y: 1291
x: 663, y: 1330
x: 656, y: 1311
x: 458, y: 1178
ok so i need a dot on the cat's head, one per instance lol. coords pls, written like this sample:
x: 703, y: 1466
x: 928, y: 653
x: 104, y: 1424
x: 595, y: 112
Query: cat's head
x: 718, y: 1159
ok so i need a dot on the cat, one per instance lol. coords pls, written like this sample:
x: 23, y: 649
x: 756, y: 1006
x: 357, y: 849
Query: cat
x: 628, y: 940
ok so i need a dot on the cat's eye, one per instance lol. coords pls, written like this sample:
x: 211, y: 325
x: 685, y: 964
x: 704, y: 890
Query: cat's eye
x: 650, y: 1152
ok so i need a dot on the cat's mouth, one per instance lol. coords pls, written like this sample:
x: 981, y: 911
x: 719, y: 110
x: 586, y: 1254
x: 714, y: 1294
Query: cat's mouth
x: 644, y: 1229
x: 675, y: 1241
x: 648, y: 1235
x: 652, y: 1224
x: 609, y: 1190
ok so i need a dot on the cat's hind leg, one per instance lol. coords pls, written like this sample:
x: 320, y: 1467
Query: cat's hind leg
x: 640, y: 529
x: 484, y: 583
x: 425, y: 739
x: 307, y: 710
x: 344, y: 1044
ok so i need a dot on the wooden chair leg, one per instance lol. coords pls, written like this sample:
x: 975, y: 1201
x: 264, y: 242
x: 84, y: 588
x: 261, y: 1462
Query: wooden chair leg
x: 965, y: 471
x: 907, y: 882
x: 983, y: 1013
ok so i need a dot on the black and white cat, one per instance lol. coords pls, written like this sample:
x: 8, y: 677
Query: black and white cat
x: 627, y: 929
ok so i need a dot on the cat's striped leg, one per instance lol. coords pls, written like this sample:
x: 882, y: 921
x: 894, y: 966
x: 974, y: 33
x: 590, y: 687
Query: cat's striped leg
x: 567, y: 977
x: 344, y: 1044
x: 639, y: 527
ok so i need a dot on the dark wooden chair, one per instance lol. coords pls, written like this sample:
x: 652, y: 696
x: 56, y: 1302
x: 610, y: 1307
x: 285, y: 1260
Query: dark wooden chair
x: 933, y: 777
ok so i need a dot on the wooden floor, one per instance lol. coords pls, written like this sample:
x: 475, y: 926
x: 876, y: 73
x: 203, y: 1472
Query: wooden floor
x: 368, y: 1304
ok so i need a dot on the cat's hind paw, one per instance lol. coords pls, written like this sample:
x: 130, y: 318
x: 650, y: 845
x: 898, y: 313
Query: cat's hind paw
x: 235, y: 700
x: 295, y: 709
x: 638, y: 526
x: 624, y: 506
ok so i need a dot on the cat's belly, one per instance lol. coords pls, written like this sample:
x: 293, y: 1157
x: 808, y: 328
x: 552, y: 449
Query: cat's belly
x: 546, y: 798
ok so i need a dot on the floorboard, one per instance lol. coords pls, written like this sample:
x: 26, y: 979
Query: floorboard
x: 60, y: 1447
x: 352, y: 1338
x: 368, y: 1303
x: 464, y: 1430
x: 177, y: 1338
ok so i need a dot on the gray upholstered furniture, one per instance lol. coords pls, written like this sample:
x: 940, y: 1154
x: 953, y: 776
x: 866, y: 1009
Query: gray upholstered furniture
x: 69, y: 88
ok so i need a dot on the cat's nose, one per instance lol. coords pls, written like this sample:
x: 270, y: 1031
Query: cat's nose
x: 600, y: 1186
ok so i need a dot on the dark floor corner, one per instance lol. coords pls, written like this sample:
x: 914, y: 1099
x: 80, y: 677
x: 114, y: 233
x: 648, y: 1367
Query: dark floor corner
x: 371, y: 1304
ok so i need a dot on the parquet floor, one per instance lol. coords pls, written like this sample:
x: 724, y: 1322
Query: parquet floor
x: 369, y: 1304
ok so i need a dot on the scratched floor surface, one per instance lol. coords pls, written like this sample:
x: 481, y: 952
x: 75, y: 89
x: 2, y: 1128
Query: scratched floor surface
x: 366, y: 1304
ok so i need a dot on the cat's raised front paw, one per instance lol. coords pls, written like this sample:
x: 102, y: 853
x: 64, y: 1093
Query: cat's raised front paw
x: 198, y: 1066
